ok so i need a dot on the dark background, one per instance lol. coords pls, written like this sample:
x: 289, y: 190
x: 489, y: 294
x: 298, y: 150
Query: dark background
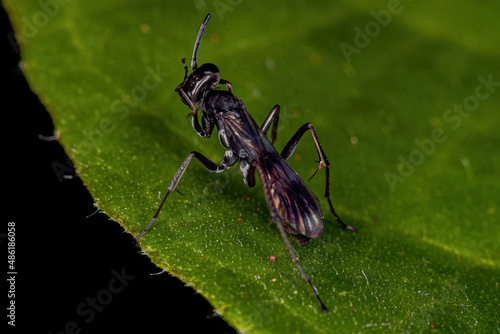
x: 66, y: 251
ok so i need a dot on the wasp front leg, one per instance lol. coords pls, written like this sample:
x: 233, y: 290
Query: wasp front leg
x: 205, y: 129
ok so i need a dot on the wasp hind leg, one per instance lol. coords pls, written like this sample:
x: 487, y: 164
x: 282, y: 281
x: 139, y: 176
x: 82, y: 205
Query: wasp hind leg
x: 282, y: 228
x: 323, y: 163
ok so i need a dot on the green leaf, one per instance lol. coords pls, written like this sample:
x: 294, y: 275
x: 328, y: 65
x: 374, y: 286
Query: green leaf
x: 403, y: 109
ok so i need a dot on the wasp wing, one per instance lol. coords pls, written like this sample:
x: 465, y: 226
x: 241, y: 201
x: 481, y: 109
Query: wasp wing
x: 291, y: 198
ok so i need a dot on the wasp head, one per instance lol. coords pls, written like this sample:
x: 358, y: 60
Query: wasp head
x: 202, y: 80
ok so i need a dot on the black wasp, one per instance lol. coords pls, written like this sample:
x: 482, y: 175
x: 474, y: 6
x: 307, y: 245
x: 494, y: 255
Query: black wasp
x: 294, y: 208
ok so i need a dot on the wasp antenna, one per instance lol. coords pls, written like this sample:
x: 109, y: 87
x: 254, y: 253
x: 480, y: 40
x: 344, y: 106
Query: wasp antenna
x: 194, y: 64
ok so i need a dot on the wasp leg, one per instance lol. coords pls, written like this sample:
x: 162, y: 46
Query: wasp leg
x: 228, y: 160
x: 273, y: 118
x: 229, y: 87
x: 204, y: 131
x: 323, y: 163
x: 267, y: 192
